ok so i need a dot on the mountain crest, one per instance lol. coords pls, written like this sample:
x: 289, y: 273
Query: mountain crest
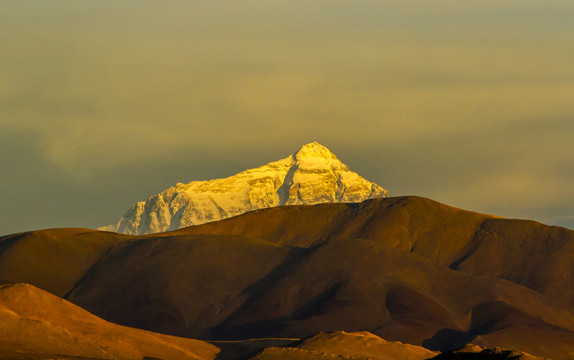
x: 314, y: 150
x: 312, y: 175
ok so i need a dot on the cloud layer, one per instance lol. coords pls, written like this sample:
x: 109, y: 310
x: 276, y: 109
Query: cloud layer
x: 105, y: 103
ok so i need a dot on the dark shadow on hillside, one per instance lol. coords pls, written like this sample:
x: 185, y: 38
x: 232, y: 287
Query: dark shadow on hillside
x: 223, y: 331
x: 271, y: 327
x: 448, y: 339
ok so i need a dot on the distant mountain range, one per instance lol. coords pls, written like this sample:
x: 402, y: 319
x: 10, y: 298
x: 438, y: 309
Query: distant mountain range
x: 358, y: 275
x: 405, y: 269
x: 312, y: 175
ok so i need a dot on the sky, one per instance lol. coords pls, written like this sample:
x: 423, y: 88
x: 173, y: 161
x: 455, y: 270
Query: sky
x: 104, y: 103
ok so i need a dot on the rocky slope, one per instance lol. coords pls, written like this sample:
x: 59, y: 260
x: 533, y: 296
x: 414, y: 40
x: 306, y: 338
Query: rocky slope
x: 38, y: 325
x: 345, y: 346
x: 312, y: 175
x: 406, y: 269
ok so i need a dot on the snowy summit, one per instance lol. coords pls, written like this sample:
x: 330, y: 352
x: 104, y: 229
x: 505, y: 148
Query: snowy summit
x: 312, y: 175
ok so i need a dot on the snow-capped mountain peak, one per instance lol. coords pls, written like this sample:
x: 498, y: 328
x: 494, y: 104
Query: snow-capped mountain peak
x: 314, y: 150
x: 312, y: 175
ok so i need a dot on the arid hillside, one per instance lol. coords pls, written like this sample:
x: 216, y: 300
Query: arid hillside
x: 406, y: 269
x: 38, y: 325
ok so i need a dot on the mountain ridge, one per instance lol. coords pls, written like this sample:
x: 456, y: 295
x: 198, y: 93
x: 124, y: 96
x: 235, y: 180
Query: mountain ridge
x: 312, y: 175
x: 407, y: 269
x: 37, y: 325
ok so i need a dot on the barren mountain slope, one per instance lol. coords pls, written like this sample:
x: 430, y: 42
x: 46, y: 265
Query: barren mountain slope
x: 55, y: 259
x: 36, y: 324
x: 217, y: 287
x: 181, y: 285
x: 525, y: 252
x: 405, y: 268
x: 348, y: 346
